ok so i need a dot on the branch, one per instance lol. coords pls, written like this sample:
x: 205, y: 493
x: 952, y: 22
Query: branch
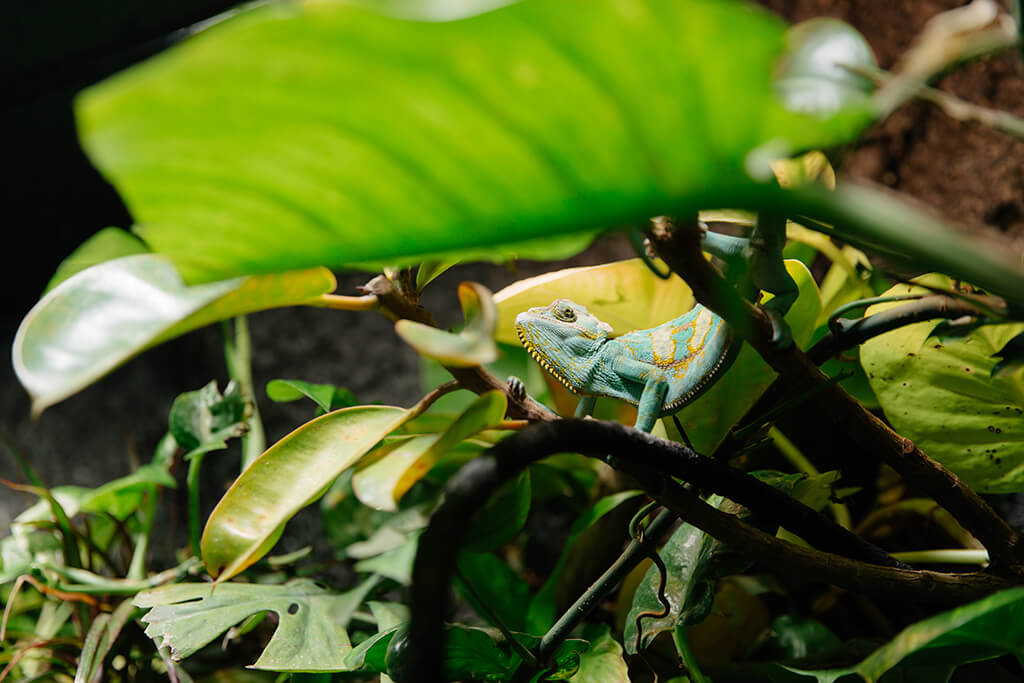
x: 476, y: 379
x: 834, y: 411
x: 638, y: 454
x: 856, y: 332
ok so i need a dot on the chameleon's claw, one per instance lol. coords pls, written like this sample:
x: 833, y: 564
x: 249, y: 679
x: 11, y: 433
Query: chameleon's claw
x: 516, y: 388
x: 782, y: 336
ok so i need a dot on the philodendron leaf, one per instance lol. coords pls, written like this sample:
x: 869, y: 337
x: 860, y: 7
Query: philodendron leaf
x: 940, y: 392
x: 205, y: 416
x: 693, y: 561
x: 624, y: 294
x: 474, y: 345
x: 100, y: 317
x: 381, y: 483
x: 106, y: 245
x: 310, y: 634
x: 292, y: 473
x: 523, y: 122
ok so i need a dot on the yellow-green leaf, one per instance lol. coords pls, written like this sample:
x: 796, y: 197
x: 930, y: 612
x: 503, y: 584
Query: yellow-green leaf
x: 288, y: 476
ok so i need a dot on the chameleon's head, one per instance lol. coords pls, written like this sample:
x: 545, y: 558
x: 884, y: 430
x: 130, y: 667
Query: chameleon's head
x: 564, y: 338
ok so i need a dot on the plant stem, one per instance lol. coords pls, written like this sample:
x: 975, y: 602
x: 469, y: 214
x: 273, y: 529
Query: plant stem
x: 238, y: 357
x: 492, y: 616
x: 632, y: 556
x: 689, y: 661
x: 192, y: 481
x: 802, y: 464
x: 946, y: 556
x: 344, y: 303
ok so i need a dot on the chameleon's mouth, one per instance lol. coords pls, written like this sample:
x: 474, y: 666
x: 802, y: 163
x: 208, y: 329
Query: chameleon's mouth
x: 537, y: 356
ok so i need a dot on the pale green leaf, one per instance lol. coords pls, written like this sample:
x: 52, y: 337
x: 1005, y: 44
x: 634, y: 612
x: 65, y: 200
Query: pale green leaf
x: 310, y: 634
x: 603, y: 661
x: 106, y: 245
x: 100, y: 317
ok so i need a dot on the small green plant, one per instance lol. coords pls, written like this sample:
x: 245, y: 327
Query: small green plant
x: 287, y: 140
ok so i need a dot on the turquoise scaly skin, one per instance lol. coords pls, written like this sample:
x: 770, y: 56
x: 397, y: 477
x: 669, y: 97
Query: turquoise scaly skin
x: 659, y: 370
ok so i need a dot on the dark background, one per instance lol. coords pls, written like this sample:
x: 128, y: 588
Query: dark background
x: 53, y: 200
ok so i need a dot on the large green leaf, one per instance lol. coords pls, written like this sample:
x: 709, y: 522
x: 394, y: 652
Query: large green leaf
x: 100, y: 317
x: 292, y: 473
x: 939, y: 391
x: 106, y: 245
x: 310, y: 634
x: 603, y: 661
x: 319, y: 133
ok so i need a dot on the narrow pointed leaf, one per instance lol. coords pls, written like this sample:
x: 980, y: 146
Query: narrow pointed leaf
x: 100, y: 317
x: 473, y: 345
x: 523, y: 122
x: 291, y: 474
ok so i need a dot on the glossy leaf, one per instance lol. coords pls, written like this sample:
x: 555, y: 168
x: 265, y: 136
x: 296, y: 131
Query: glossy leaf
x: 500, y: 589
x: 106, y: 245
x: 624, y: 294
x: 939, y: 391
x: 523, y: 122
x: 981, y: 630
x: 709, y: 419
x: 99, y: 318
x: 288, y: 476
x: 327, y: 397
x: 473, y: 345
x: 812, y: 73
x: 692, y: 558
x: 385, y: 479
x: 310, y: 634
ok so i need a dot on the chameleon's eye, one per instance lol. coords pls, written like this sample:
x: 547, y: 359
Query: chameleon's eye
x: 565, y: 314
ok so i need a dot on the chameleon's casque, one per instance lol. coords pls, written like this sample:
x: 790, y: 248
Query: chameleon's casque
x: 659, y: 370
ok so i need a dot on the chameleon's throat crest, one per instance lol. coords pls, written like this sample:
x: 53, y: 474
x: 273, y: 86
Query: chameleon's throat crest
x: 540, y: 358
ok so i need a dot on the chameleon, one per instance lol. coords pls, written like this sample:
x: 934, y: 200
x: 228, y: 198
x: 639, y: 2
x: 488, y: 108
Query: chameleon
x: 659, y: 370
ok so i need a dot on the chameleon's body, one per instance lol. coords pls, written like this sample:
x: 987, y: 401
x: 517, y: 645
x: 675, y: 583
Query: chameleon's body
x: 659, y: 370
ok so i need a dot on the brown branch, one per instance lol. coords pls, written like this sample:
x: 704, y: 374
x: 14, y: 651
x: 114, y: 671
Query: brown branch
x: 477, y: 481
x: 834, y: 412
x: 476, y: 379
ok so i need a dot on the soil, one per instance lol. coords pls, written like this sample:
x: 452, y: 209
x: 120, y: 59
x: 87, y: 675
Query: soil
x: 966, y: 171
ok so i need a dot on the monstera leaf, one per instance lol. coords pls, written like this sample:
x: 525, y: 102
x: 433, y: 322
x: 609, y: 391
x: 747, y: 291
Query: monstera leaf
x: 320, y: 133
x: 310, y: 634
